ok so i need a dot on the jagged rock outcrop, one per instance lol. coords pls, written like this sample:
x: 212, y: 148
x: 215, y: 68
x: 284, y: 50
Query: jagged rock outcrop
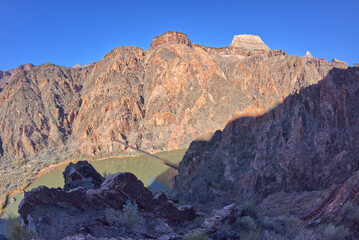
x: 249, y: 42
x: 308, y: 142
x: 158, y: 99
x: 322, y: 65
x: 309, y: 58
x: 42, y: 206
x: 42, y: 102
x: 339, y: 63
x: 79, y: 66
x: 171, y: 37
x: 5, y: 75
x: 218, y: 218
x: 112, y: 103
x: 81, y: 174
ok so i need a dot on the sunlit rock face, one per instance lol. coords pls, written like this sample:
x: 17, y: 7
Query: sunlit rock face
x: 161, y: 98
x: 249, y: 42
x: 171, y: 37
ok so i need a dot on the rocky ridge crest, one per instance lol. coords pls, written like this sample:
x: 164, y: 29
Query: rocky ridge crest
x: 171, y: 37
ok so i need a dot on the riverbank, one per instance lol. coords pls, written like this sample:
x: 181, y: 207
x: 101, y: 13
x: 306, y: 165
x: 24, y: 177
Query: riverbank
x: 146, y: 169
x: 48, y: 169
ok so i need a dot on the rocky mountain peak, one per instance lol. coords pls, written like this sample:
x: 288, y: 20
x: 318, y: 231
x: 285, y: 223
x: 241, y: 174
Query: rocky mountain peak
x: 249, y: 42
x: 308, y: 54
x: 79, y: 66
x: 6, y: 74
x: 337, y: 61
x: 171, y: 37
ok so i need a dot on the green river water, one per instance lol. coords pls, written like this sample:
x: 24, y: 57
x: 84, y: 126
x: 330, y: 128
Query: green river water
x: 153, y: 174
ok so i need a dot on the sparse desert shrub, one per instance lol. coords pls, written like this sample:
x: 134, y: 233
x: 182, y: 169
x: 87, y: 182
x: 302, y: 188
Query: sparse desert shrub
x: 331, y: 232
x: 19, y: 162
x: 3, y: 200
x: 226, y: 232
x: 275, y: 237
x: 251, y: 235
x: 54, y: 160
x: 251, y: 209
x: 120, y: 151
x: 113, y: 216
x: 128, y: 216
x: 245, y: 223
x: 306, y: 234
x: 283, y: 225
x: 105, y: 174
x: 350, y: 212
x: 163, y: 228
x: 272, y: 225
x: 16, y: 231
x: 196, y: 236
x: 197, y: 222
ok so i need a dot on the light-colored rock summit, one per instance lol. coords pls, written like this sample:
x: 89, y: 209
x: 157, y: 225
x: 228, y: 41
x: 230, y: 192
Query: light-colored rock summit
x: 308, y: 54
x: 249, y: 42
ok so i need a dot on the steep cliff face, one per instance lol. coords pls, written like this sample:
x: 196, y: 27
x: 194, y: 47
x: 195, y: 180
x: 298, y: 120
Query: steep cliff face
x: 6, y: 74
x: 157, y: 99
x: 172, y: 38
x: 189, y: 91
x: 36, y: 109
x: 249, y: 42
x: 112, y: 101
x: 309, y: 142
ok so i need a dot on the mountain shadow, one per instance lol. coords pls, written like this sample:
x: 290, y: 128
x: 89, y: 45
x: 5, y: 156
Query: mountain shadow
x: 309, y: 142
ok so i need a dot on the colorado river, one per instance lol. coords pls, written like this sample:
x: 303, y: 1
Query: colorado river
x: 154, y: 175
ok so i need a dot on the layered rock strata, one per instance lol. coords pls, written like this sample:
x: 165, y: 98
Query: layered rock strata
x: 158, y: 99
x: 249, y: 42
x: 172, y: 38
x: 307, y: 143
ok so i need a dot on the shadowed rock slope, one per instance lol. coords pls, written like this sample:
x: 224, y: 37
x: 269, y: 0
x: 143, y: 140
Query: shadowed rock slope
x: 158, y: 99
x: 307, y: 143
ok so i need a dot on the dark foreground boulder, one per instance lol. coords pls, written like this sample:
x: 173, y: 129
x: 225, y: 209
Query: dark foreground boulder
x: 81, y: 174
x: 83, y: 206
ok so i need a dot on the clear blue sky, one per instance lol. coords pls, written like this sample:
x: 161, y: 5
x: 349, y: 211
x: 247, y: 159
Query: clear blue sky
x: 83, y: 31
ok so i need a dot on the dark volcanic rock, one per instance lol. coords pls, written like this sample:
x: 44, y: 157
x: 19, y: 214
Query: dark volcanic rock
x: 212, y: 223
x: 129, y: 187
x: 82, y: 206
x: 309, y: 142
x: 179, y: 214
x: 115, y: 190
x: 81, y: 174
